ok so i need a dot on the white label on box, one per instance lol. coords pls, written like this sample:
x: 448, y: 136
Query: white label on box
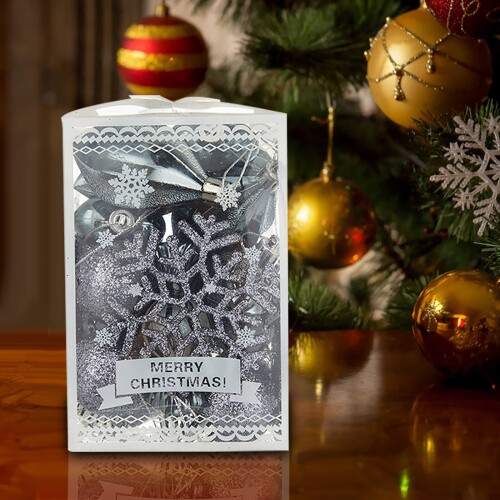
x: 187, y: 374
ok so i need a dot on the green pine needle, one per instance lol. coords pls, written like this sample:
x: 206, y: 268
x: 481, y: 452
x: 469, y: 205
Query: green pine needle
x: 316, y: 307
x: 322, y: 46
x: 399, y: 311
x: 491, y: 249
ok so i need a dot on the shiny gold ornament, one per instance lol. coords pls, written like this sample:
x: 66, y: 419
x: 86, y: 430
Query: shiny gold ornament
x: 456, y: 322
x: 417, y: 70
x: 331, y: 223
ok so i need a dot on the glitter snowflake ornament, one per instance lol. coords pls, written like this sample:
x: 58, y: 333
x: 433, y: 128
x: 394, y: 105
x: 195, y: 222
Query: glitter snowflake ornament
x: 246, y: 337
x: 205, y: 293
x: 104, y: 337
x: 252, y: 254
x: 105, y: 238
x: 228, y: 196
x: 131, y: 186
x: 473, y: 173
x: 135, y: 290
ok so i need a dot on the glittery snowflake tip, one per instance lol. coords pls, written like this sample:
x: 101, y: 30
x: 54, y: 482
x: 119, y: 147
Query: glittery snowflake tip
x: 474, y: 172
x: 131, y: 186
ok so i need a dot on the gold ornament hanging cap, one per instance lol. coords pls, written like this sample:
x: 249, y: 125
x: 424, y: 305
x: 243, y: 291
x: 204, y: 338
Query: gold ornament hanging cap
x: 162, y: 9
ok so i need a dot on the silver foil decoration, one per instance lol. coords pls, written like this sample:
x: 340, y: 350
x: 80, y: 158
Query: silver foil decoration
x: 244, y: 183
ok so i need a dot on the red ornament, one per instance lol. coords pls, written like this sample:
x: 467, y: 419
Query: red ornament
x: 163, y: 55
x: 471, y: 18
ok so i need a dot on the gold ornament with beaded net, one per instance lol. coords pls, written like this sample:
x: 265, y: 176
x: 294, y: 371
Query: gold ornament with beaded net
x: 417, y: 70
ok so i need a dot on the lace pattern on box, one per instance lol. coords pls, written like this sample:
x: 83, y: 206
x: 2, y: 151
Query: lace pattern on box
x: 168, y: 138
x: 160, y: 429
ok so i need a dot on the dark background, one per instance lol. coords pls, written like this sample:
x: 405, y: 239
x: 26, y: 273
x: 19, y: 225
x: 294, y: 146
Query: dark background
x: 55, y: 56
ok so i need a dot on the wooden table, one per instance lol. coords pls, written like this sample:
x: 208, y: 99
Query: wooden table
x: 370, y: 419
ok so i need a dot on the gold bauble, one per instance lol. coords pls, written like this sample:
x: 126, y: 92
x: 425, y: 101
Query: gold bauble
x: 417, y: 70
x: 456, y: 322
x: 331, y: 223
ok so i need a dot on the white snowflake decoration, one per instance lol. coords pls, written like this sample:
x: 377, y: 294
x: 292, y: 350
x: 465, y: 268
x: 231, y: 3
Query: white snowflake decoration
x: 131, y: 186
x: 246, y: 337
x: 228, y: 196
x: 105, y: 238
x: 135, y: 290
x: 104, y: 337
x: 474, y: 171
x: 252, y: 254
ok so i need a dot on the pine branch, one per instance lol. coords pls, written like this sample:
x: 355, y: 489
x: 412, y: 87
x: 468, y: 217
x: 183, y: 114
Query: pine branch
x: 492, y: 254
x: 316, y: 307
x: 399, y: 311
x: 491, y: 249
x: 243, y: 11
x: 321, y: 46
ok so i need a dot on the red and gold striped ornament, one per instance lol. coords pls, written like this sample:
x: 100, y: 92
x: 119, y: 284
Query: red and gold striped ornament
x: 162, y: 55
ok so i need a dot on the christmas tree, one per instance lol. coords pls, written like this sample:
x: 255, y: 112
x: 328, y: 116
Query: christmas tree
x: 428, y: 163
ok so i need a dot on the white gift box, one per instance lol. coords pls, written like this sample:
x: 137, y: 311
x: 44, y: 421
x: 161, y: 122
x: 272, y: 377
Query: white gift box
x: 176, y: 276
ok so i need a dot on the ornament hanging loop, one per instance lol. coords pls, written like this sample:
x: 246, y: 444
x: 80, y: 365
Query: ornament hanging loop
x: 162, y: 9
x: 328, y: 170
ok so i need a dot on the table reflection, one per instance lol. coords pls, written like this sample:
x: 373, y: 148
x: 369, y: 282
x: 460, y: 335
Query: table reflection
x: 335, y: 384
x: 247, y: 476
x: 328, y: 356
x: 450, y: 447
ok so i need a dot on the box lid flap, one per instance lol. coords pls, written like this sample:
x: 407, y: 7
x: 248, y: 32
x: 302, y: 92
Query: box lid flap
x: 158, y: 105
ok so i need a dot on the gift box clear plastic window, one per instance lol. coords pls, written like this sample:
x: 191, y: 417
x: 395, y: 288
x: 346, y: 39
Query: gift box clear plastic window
x: 176, y: 276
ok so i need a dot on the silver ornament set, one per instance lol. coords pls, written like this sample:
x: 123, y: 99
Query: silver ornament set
x: 178, y: 316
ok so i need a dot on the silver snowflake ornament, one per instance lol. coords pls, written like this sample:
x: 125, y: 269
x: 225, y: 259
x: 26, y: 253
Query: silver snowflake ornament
x: 252, y: 254
x: 228, y: 196
x: 207, y: 296
x: 246, y: 337
x: 474, y: 170
x: 104, y: 337
x: 105, y: 238
x: 131, y: 186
